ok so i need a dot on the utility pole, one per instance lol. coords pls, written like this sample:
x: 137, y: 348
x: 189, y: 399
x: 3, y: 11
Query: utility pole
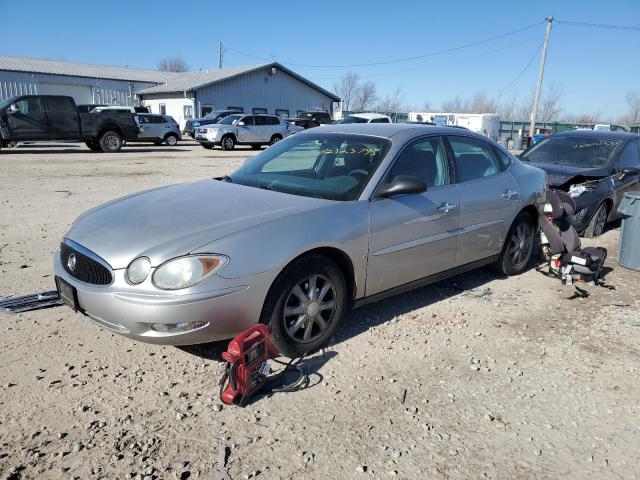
x: 536, y: 99
x: 220, y: 54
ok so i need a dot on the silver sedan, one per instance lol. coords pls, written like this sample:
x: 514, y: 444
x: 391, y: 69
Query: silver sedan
x: 326, y: 220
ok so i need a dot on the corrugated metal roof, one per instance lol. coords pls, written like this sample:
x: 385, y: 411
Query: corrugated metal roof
x: 62, y: 67
x: 194, y: 80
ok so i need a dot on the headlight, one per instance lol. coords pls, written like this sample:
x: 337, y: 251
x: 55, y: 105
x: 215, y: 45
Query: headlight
x: 184, y: 272
x: 196, y: 124
x: 577, y: 190
x: 138, y: 270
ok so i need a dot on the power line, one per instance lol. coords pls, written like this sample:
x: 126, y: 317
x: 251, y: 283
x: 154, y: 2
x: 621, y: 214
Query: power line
x: 526, y: 67
x: 404, y: 59
x: 599, y: 25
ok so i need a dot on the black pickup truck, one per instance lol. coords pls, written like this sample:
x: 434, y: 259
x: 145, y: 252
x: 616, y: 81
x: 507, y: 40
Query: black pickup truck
x: 311, y: 119
x: 33, y: 118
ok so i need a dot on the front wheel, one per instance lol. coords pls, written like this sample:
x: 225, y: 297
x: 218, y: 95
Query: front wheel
x: 518, y: 247
x: 228, y: 143
x: 110, y: 142
x: 171, y: 140
x: 305, y: 305
x: 597, y: 222
x: 275, y: 139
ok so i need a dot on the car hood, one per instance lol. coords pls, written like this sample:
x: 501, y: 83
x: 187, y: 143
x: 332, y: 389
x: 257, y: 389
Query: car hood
x: 562, y: 174
x: 175, y: 220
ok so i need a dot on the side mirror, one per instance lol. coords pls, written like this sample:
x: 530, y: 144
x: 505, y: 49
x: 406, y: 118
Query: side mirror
x: 402, y: 185
x: 241, y: 124
x: 13, y: 108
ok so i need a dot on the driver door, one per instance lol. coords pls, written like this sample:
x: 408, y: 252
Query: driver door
x: 414, y: 236
x: 30, y: 121
x: 629, y: 157
x: 246, y: 132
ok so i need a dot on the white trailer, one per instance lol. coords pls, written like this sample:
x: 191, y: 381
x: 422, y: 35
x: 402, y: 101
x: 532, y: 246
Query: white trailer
x: 484, y: 123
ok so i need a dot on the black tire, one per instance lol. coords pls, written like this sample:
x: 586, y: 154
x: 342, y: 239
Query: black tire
x: 110, y: 141
x: 228, y: 142
x: 93, y: 146
x: 281, y: 296
x: 598, y: 222
x: 275, y: 139
x: 256, y: 146
x: 171, y: 140
x: 517, y: 250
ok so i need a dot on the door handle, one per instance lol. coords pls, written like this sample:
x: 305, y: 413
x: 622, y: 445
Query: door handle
x: 509, y: 194
x: 446, y: 207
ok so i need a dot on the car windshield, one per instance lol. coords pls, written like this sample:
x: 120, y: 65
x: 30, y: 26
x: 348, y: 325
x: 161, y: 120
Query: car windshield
x: 331, y: 166
x: 586, y: 152
x: 212, y: 115
x: 229, y: 119
x: 351, y: 119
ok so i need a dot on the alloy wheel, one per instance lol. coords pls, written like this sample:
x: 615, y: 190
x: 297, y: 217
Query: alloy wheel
x: 520, y: 244
x: 112, y: 142
x: 601, y: 220
x: 171, y: 140
x: 310, y: 308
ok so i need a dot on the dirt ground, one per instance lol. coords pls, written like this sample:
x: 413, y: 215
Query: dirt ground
x: 474, y: 377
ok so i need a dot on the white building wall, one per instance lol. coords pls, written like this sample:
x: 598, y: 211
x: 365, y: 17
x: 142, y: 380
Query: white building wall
x: 174, y: 104
x: 110, y: 92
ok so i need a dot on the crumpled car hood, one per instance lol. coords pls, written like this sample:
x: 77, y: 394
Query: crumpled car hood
x: 562, y: 174
x: 175, y: 220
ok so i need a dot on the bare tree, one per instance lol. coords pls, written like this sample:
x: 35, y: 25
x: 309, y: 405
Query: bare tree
x: 456, y: 105
x: 481, y: 103
x: 347, y: 89
x: 392, y: 103
x: 633, y: 104
x: 365, y: 96
x: 507, y: 109
x: 549, y: 105
x: 173, y: 64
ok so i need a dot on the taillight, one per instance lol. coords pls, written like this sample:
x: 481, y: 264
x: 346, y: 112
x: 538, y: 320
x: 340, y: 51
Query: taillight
x: 550, y: 217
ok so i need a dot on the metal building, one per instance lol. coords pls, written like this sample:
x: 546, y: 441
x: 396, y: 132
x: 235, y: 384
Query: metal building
x: 264, y: 88
x: 86, y: 83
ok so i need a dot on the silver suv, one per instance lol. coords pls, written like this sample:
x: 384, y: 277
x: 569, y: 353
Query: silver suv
x: 158, y: 129
x: 242, y: 129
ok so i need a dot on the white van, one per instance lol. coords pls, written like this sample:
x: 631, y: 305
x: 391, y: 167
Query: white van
x: 484, y: 123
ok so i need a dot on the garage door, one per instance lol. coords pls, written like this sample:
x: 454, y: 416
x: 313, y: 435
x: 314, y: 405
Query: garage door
x: 81, y: 93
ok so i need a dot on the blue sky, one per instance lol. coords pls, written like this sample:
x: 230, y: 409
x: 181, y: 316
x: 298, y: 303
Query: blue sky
x: 596, y: 67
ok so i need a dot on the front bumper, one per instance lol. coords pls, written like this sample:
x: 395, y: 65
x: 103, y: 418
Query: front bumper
x: 226, y: 310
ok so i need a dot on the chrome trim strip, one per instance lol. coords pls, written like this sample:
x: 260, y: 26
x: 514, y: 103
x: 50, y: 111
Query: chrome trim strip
x: 416, y: 243
x: 478, y: 226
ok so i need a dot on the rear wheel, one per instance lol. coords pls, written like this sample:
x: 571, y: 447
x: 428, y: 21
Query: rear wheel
x: 228, y: 143
x: 597, y: 222
x: 171, y: 140
x: 305, y: 305
x: 110, y: 141
x: 518, y: 247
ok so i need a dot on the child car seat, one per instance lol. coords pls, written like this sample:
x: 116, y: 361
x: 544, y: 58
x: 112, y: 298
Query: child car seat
x: 564, y: 242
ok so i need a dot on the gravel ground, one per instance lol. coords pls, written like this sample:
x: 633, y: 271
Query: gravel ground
x: 474, y: 377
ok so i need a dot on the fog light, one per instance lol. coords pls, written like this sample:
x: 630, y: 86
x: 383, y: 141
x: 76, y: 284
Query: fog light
x: 178, y: 327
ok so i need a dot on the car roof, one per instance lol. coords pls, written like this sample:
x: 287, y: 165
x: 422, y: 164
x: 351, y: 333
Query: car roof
x: 390, y: 129
x: 601, y: 134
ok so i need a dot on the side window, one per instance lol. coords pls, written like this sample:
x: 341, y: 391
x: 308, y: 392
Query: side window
x: 156, y: 119
x: 380, y: 120
x: 273, y: 120
x: 505, y: 159
x: 261, y: 120
x: 29, y: 105
x: 629, y: 156
x: 59, y: 104
x: 143, y: 119
x: 248, y: 120
x: 425, y: 159
x: 473, y: 158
